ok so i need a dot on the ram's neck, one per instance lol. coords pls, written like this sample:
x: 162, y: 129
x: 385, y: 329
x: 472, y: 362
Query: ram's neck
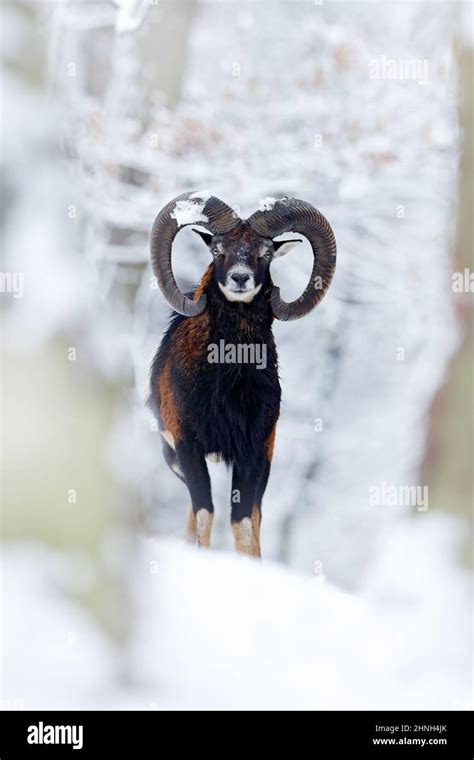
x: 222, y: 326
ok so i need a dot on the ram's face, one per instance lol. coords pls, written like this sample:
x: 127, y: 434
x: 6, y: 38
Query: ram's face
x: 242, y: 261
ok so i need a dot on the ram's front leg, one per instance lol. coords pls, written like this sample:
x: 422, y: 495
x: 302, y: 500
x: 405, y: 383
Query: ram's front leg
x: 245, y: 513
x: 193, y: 466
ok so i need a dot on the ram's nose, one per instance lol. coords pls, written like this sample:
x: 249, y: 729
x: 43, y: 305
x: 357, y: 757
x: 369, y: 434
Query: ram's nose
x: 240, y: 279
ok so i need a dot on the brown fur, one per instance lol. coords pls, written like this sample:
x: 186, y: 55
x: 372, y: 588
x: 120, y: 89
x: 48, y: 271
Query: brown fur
x: 192, y: 336
x: 271, y: 443
x: 256, y: 518
x: 168, y: 410
x: 205, y: 279
x: 191, y: 528
x: 190, y: 341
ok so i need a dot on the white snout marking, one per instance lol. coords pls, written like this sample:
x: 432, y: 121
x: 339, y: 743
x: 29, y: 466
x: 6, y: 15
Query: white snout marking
x: 231, y: 289
x: 243, y: 295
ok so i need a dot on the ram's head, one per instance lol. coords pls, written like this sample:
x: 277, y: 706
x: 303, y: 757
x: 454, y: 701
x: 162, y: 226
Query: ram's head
x: 244, y: 249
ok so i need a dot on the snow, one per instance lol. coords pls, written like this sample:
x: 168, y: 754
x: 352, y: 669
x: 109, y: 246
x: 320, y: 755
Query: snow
x: 266, y: 204
x: 130, y: 15
x: 218, y: 631
x: 189, y: 212
x: 202, y: 195
x: 224, y: 631
x: 53, y: 656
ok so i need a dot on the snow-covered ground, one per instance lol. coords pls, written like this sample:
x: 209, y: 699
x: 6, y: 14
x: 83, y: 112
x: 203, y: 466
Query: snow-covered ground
x: 217, y: 631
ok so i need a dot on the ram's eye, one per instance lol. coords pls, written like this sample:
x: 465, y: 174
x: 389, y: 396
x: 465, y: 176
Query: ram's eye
x: 266, y: 254
x: 216, y: 252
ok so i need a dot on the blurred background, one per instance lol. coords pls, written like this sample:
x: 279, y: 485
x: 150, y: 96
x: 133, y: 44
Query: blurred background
x: 109, y: 110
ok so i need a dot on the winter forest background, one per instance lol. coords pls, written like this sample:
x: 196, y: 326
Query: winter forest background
x: 109, y: 110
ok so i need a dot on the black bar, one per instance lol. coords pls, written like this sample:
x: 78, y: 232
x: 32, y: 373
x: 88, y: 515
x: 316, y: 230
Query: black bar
x: 372, y: 734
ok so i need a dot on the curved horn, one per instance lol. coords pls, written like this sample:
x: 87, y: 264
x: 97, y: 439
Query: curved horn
x: 293, y: 215
x: 196, y: 207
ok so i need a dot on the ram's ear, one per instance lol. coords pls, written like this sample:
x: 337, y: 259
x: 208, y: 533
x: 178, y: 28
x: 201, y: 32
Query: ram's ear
x: 281, y: 247
x: 206, y: 236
